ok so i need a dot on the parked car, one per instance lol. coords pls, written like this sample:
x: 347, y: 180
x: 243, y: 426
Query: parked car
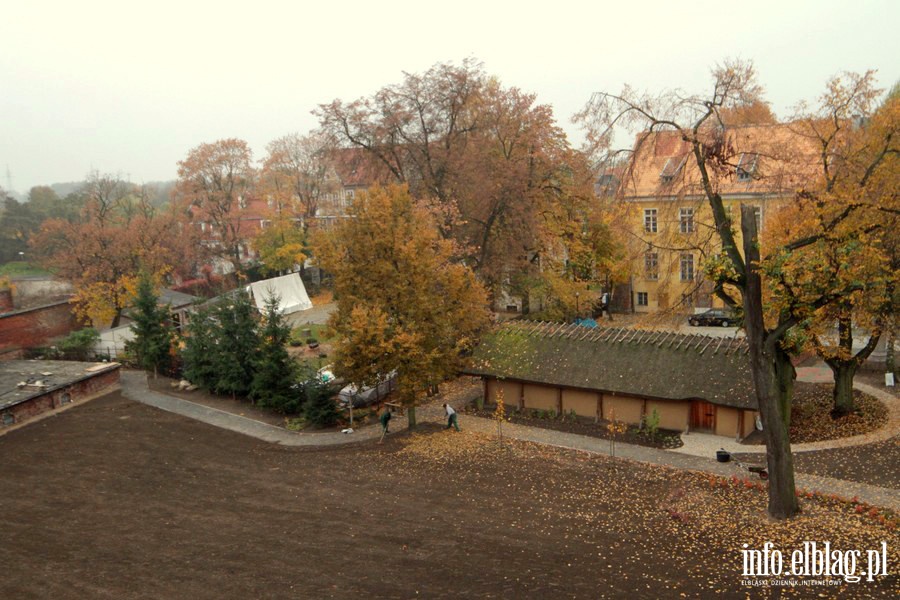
x: 714, y: 317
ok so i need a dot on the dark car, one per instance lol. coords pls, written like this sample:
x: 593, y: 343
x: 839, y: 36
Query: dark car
x: 714, y: 317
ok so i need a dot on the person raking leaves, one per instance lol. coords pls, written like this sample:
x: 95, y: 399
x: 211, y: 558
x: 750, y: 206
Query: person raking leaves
x: 451, y: 417
x: 385, y: 419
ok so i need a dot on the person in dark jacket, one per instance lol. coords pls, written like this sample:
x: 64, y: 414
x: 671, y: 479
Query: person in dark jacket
x: 385, y: 419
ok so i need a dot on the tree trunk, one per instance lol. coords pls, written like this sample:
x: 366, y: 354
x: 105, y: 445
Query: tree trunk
x: 785, y: 374
x: 411, y: 417
x: 769, y: 372
x: 889, y: 365
x: 844, y: 364
x: 843, y: 388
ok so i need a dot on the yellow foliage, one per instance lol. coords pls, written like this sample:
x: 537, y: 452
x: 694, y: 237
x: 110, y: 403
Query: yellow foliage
x: 404, y: 304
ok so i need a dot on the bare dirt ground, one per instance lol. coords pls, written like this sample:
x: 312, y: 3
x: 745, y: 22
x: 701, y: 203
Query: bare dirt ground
x: 114, y: 499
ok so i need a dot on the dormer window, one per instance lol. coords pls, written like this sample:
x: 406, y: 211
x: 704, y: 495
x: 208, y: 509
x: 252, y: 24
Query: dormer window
x: 671, y: 169
x: 746, y: 166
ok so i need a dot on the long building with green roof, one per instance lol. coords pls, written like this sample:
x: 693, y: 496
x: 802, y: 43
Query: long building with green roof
x: 693, y: 382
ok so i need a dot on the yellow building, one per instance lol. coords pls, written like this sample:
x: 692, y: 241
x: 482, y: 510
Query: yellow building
x: 671, y: 232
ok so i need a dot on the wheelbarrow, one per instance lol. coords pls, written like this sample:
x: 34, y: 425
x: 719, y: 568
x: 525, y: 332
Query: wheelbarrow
x: 759, y: 470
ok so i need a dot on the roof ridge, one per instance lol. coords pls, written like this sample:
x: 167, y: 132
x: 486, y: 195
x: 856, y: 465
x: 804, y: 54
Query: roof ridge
x: 674, y: 340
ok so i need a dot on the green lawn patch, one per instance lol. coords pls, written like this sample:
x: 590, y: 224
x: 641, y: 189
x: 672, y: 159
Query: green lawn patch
x: 20, y: 268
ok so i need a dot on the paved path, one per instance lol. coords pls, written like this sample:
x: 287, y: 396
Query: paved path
x: 134, y: 387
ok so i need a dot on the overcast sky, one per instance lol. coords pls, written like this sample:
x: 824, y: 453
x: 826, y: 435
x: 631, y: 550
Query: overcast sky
x: 130, y: 88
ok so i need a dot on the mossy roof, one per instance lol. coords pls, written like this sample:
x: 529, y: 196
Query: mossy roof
x: 646, y: 363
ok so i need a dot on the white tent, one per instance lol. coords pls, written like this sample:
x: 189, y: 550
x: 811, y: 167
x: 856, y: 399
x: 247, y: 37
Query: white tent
x: 289, y: 290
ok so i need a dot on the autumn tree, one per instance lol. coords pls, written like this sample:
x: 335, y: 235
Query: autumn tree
x: 489, y: 159
x: 215, y: 182
x: 117, y: 235
x: 18, y: 222
x: 404, y: 303
x: 850, y: 213
x: 297, y: 173
x: 44, y: 201
x: 281, y: 246
x: 696, y: 119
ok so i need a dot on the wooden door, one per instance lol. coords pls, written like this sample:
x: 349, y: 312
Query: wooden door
x: 703, y: 416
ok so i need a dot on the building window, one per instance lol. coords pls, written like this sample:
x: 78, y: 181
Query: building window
x: 242, y: 203
x: 650, y: 220
x: 671, y: 168
x: 651, y: 265
x: 642, y: 299
x: 757, y: 214
x: 687, y: 267
x: 686, y: 218
x: 746, y: 166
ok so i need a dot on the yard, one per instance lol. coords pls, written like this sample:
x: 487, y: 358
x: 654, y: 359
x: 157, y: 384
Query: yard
x: 114, y: 499
x: 19, y: 268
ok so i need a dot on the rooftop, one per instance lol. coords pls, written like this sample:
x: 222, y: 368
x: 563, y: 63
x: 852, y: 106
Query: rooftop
x: 648, y: 363
x: 42, y: 376
x: 764, y: 159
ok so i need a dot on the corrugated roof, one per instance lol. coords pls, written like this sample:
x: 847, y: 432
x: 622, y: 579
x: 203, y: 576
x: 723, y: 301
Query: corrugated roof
x: 648, y: 363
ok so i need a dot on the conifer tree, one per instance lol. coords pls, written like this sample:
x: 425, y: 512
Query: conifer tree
x: 276, y: 372
x: 237, y: 346
x: 200, y: 349
x: 320, y: 408
x: 152, y: 329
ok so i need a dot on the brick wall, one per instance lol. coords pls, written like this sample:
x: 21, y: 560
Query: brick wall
x: 36, y: 326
